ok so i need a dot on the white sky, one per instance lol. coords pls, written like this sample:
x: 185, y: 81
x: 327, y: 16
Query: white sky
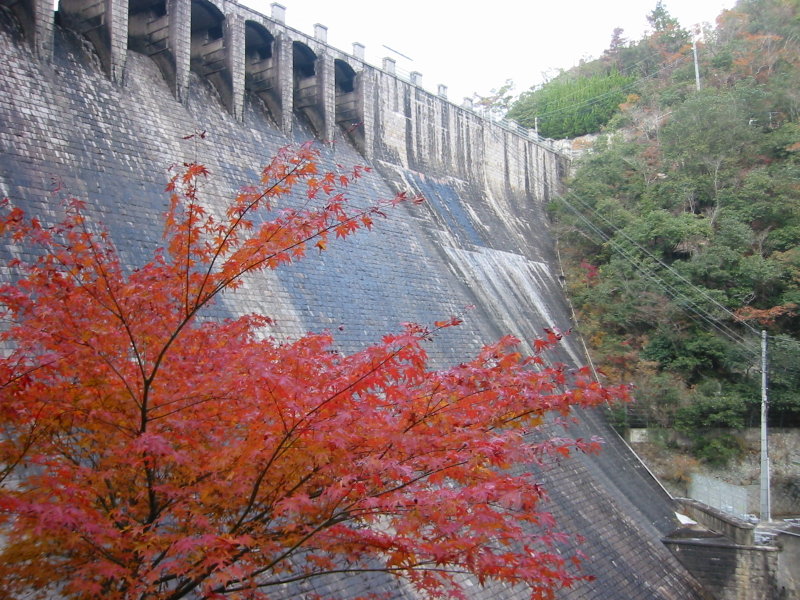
x: 473, y: 46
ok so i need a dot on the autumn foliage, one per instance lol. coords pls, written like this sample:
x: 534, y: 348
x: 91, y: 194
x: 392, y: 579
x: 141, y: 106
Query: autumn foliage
x: 148, y: 451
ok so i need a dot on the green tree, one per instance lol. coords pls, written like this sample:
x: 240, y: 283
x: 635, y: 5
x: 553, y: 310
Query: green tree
x: 706, y: 139
x: 667, y: 37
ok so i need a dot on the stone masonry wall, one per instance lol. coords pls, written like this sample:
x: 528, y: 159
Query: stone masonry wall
x: 731, y: 572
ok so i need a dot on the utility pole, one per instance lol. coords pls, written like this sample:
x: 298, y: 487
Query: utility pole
x: 696, y: 65
x: 766, y: 515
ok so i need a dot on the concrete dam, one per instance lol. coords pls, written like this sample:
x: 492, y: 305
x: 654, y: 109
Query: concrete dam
x: 98, y: 98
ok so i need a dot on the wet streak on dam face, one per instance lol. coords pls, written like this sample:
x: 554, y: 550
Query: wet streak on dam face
x: 98, y: 102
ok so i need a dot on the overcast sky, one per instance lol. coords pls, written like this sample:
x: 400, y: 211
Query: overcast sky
x: 473, y: 46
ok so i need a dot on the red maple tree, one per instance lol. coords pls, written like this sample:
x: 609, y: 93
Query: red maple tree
x: 148, y: 452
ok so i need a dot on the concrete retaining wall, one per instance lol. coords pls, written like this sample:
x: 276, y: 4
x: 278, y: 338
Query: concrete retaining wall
x: 736, y: 560
x: 731, y: 572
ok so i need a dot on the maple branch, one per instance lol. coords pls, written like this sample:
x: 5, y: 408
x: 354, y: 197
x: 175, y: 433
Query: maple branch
x: 278, y: 410
x: 110, y: 364
x: 190, y: 211
x: 422, y: 476
x: 224, y: 283
x: 198, y: 402
x: 277, y: 452
x: 152, y: 499
x: 345, y: 514
x: 20, y: 455
x: 352, y: 384
x: 120, y: 314
x: 396, y: 571
x: 78, y: 342
x: 103, y: 305
x: 223, y: 242
x: 263, y: 472
x: 31, y: 370
x: 293, y: 548
x: 254, y: 494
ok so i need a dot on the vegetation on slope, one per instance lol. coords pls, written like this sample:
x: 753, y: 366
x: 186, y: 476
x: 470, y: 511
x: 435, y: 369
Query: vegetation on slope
x: 681, y: 230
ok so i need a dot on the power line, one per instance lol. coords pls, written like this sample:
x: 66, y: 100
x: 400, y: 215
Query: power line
x: 669, y: 268
x: 668, y: 288
x: 751, y: 349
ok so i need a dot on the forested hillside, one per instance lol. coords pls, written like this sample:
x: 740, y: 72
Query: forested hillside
x: 680, y: 230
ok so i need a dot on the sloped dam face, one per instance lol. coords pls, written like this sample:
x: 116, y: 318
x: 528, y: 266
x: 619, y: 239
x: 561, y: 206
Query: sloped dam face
x: 480, y: 239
